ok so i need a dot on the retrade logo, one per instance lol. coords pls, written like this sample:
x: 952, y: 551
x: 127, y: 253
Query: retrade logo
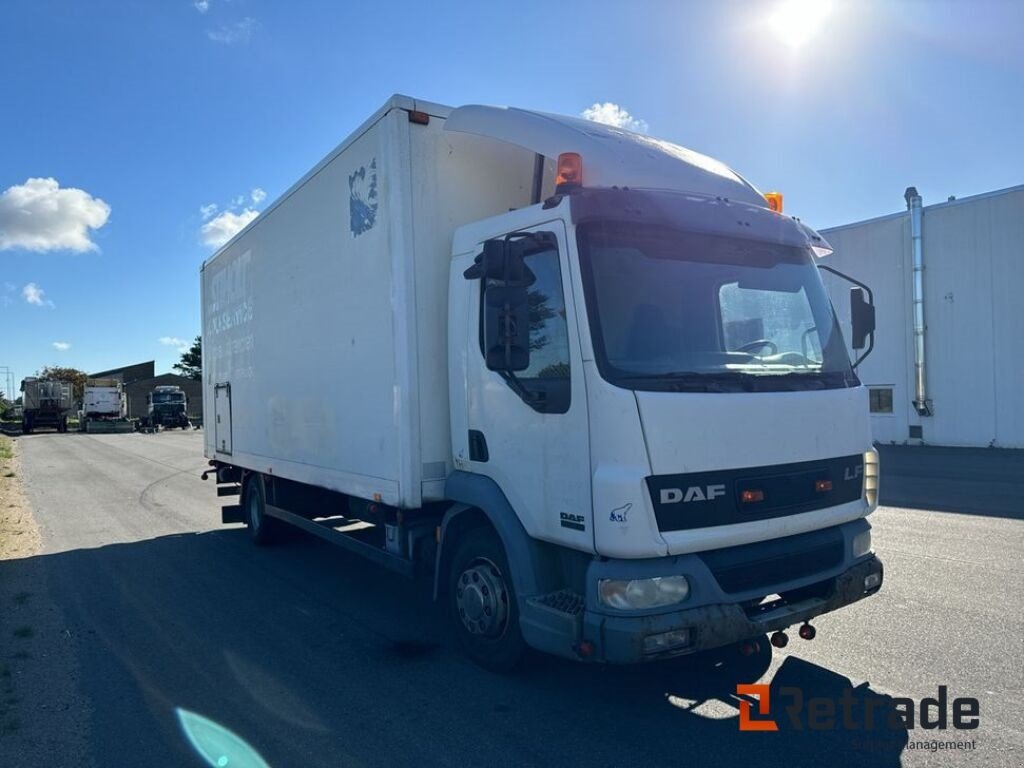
x: 763, y: 694
x: 824, y: 713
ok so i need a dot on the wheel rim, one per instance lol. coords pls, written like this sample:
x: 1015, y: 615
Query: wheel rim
x: 481, y: 598
x: 254, y: 511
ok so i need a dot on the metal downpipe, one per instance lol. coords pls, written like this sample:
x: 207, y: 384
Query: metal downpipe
x: 921, y: 402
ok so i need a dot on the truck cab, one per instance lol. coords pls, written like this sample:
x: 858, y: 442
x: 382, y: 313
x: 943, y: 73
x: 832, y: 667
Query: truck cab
x: 166, y: 406
x: 655, y: 378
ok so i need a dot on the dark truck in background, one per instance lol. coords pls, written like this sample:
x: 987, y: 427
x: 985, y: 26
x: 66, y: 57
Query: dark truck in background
x: 167, y: 406
x: 46, y: 403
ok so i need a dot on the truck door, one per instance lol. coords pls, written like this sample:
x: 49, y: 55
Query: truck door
x: 528, y: 431
x: 222, y: 418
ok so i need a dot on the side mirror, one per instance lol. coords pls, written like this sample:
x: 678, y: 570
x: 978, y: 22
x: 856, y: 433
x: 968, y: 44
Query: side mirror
x: 507, y: 328
x: 862, y: 318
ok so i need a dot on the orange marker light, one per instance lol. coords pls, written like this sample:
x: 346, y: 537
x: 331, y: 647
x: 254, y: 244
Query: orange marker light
x: 570, y: 170
x: 774, y: 201
x: 822, y: 486
x: 749, y: 497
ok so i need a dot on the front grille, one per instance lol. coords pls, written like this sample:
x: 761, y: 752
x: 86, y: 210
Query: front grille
x: 770, y: 563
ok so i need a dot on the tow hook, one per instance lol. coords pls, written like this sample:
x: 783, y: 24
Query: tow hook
x: 780, y: 639
x: 807, y: 632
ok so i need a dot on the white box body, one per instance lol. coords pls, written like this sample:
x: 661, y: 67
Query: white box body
x: 325, y: 320
x: 103, y: 401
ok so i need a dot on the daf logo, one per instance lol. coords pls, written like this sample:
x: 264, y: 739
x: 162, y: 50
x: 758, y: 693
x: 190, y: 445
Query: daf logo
x: 693, y: 493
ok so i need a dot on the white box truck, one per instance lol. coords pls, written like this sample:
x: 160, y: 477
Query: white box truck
x: 586, y: 381
x: 104, y: 408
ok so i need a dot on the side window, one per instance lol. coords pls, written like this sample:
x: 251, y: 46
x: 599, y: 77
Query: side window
x: 545, y: 383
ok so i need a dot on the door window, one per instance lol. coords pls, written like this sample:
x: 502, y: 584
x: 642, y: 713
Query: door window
x: 545, y: 384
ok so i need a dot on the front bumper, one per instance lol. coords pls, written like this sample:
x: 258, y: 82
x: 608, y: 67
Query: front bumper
x: 814, y: 573
x: 713, y: 626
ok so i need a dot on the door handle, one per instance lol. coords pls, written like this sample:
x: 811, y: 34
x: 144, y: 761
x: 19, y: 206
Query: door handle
x: 478, y: 446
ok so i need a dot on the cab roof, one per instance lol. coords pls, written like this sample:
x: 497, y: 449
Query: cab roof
x: 611, y: 156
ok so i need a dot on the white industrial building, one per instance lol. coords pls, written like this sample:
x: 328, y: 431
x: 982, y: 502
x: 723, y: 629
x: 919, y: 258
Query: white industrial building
x: 963, y: 384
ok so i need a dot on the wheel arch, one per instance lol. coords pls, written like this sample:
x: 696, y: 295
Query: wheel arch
x: 479, y: 501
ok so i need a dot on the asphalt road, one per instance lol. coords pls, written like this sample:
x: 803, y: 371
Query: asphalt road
x: 143, y: 605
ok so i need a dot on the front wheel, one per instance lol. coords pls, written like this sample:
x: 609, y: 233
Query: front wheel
x: 482, y: 603
x: 262, y: 529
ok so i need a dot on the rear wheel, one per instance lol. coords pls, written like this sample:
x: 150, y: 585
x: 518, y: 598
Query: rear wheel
x: 262, y: 529
x: 482, y: 602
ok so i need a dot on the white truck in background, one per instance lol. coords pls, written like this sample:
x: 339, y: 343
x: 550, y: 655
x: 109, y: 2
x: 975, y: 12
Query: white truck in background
x: 104, y: 408
x: 588, y: 382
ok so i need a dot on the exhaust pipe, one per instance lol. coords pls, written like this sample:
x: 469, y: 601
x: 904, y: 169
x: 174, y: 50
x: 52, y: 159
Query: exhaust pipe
x: 921, y: 403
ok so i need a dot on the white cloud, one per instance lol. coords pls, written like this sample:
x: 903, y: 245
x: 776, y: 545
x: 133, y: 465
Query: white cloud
x: 61, y: 346
x: 206, y: 211
x: 612, y: 114
x: 40, y: 216
x: 201, y: 5
x: 173, y: 341
x: 223, y: 227
x: 257, y: 195
x: 35, y: 295
x: 235, y: 32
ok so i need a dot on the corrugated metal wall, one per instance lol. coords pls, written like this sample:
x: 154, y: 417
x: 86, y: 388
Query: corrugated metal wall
x: 974, y: 313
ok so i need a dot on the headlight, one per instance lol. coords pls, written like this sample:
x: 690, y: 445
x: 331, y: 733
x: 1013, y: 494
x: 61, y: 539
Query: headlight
x: 870, y: 486
x: 861, y: 544
x: 637, y: 594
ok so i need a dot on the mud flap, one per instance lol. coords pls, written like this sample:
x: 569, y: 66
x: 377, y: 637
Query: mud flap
x: 232, y: 513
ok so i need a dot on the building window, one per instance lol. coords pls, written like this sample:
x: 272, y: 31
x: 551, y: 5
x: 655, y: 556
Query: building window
x: 880, y: 399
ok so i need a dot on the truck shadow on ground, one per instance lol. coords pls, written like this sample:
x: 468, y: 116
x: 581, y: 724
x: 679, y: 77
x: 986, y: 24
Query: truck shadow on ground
x: 316, y: 658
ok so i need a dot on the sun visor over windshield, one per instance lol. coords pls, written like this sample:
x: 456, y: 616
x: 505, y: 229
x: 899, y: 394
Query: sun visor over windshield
x: 696, y: 213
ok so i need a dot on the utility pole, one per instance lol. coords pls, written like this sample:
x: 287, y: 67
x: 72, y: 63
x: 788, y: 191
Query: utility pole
x: 7, y: 374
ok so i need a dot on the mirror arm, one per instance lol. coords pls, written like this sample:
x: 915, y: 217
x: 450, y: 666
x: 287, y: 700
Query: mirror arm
x: 871, y: 301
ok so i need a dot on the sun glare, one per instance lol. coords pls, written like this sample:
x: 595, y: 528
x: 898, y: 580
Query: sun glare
x: 796, y: 21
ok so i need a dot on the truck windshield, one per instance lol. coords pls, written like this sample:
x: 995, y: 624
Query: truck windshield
x: 680, y: 311
x: 168, y: 397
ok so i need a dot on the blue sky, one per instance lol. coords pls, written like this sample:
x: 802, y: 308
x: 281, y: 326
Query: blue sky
x: 143, y: 112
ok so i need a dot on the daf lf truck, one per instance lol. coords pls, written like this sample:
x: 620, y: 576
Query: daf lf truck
x: 585, y: 381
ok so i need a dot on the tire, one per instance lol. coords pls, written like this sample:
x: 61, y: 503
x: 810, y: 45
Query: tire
x: 481, y: 595
x: 263, y: 530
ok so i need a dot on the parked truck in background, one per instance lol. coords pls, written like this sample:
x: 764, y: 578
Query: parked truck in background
x: 588, y: 382
x: 103, y: 407
x: 45, y: 403
x: 167, y: 406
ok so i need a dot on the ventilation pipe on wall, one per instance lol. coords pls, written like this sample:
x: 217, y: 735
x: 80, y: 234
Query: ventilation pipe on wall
x: 921, y: 402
